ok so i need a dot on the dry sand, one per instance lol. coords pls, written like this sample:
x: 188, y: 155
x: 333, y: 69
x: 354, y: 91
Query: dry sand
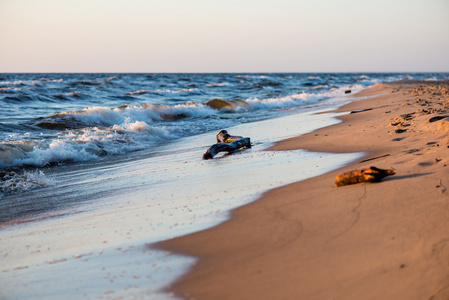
x: 312, y: 240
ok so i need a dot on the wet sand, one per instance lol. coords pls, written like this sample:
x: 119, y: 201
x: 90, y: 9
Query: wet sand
x: 312, y: 240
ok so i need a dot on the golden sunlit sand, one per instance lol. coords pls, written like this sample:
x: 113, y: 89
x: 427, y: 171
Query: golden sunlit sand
x: 312, y: 240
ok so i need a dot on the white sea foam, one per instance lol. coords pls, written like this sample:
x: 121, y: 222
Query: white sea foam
x: 299, y: 99
x: 17, y: 82
x: 145, y: 113
x: 51, y: 80
x: 126, y: 130
x: 181, y: 92
x: 139, y: 92
x: 9, y: 90
x: 153, y: 113
x: 98, y: 115
x: 85, y: 144
x: 217, y: 84
x: 28, y: 82
x: 15, y: 183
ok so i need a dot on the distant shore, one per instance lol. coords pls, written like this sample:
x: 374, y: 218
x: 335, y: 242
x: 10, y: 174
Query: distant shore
x: 312, y: 240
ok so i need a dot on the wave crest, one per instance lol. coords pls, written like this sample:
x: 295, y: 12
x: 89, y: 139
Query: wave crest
x: 155, y: 113
x: 95, y: 132
x: 84, y: 144
x: 104, y: 116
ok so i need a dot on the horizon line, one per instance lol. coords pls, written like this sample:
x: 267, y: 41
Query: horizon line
x: 232, y: 72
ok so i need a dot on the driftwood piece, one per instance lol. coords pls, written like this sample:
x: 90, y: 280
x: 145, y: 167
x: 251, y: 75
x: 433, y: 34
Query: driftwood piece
x: 224, y: 137
x: 227, y: 143
x: 227, y: 147
x: 371, y: 174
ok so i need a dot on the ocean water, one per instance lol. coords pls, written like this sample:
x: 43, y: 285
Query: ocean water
x: 53, y: 119
x: 94, y: 168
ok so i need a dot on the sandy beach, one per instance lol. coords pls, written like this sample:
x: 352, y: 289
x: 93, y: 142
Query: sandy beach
x: 312, y: 240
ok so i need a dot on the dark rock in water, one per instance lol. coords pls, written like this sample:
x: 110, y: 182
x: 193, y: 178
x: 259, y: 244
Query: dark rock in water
x: 348, y: 92
x: 220, y: 104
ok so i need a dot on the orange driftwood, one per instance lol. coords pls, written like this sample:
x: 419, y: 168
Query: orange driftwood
x: 371, y: 174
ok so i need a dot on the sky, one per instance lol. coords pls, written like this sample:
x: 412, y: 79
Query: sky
x: 224, y: 36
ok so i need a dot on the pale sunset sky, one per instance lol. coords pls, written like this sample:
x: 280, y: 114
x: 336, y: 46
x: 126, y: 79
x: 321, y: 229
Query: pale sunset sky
x: 224, y: 36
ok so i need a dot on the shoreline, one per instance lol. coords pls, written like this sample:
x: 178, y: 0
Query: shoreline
x: 311, y: 240
x: 122, y: 220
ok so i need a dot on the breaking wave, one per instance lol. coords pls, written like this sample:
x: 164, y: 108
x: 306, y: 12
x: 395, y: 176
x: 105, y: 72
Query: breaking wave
x: 12, y: 182
x: 95, y: 132
x: 103, y: 116
x: 85, y: 144
x: 150, y: 113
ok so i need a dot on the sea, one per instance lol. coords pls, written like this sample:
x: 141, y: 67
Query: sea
x: 95, y: 168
